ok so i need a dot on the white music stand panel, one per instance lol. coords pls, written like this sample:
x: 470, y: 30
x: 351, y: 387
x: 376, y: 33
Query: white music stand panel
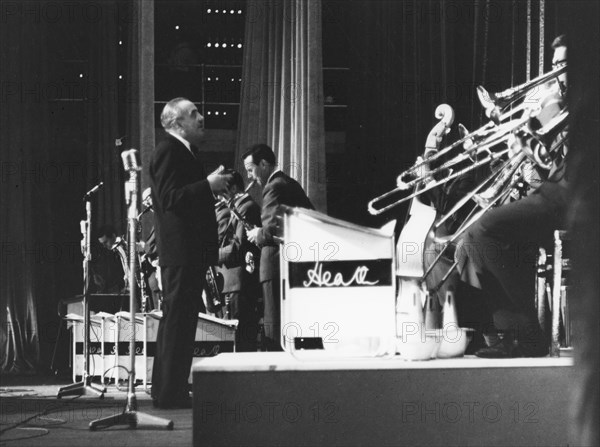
x: 338, y: 285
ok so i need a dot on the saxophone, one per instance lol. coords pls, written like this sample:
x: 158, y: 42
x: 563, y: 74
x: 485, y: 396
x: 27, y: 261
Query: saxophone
x: 249, y: 256
x: 214, y: 285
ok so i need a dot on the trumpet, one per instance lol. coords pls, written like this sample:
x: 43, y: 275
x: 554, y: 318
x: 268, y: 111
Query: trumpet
x: 493, y: 103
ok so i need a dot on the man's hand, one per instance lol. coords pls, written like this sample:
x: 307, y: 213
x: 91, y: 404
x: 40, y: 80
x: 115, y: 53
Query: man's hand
x: 219, y: 184
x: 252, y: 234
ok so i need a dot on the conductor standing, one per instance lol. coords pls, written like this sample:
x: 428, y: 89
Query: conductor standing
x: 186, y: 237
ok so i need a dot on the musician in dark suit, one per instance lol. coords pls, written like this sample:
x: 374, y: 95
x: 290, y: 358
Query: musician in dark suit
x: 116, y: 248
x: 238, y: 260
x: 497, y: 254
x: 278, y: 189
x: 186, y: 237
x: 149, y: 255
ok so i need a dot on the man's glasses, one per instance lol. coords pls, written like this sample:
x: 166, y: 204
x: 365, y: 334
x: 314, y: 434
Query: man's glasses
x: 557, y: 64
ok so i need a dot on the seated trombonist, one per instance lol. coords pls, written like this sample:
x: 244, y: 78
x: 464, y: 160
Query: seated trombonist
x: 497, y: 253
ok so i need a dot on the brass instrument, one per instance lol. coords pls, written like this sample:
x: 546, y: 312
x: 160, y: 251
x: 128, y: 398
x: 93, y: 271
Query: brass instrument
x: 435, y: 183
x: 545, y: 139
x: 504, y: 176
x: 493, y: 103
x: 230, y: 203
x: 480, y: 147
x: 467, y: 141
x: 501, y: 195
x: 214, y: 285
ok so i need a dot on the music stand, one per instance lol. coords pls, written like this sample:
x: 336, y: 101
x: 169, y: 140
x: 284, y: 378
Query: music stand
x: 130, y: 415
x: 85, y: 386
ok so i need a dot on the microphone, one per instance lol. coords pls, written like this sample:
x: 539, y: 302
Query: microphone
x: 130, y: 162
x: 93, y: 191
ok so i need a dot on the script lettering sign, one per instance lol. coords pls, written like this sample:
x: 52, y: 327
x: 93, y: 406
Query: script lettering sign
x: 354, y: 273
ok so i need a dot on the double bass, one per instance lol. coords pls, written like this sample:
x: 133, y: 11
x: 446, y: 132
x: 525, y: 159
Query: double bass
x: 417, y: 234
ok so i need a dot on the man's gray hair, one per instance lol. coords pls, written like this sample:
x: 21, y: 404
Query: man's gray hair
x: 171, y: 113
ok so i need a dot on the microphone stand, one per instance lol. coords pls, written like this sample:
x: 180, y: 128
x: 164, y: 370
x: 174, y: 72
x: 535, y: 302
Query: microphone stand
x: 85, y: 387
x: 130, y: 415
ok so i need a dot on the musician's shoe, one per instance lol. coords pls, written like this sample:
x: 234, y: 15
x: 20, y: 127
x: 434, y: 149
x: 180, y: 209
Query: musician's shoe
x: 499, y: 350
x: 505, y: 347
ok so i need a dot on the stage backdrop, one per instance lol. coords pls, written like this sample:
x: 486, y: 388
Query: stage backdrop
x: 282, y: 90
x: 60, y: 115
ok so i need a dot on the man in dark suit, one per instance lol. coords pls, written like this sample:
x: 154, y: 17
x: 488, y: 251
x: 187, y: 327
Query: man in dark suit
x: 238, y: 260
x: 497, y: 253
x: 186, y: 237
x: 278, y: 189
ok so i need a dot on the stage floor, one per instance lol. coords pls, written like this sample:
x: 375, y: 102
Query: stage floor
x: 31, y: 415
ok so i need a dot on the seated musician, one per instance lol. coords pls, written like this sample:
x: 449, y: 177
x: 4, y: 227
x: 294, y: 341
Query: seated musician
x: 109, y: 267
x: 497, y: 254
x: 107, y: 236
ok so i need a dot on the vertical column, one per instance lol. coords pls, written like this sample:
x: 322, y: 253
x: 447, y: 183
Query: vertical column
x: 528, y: 63
x: 145, y: 42
x: 542, y: 31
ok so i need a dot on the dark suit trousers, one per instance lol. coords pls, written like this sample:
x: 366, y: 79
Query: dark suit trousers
x: 500, y: 249
x: 243, y: 308
x: 182, y: 287
x: 272, y: 315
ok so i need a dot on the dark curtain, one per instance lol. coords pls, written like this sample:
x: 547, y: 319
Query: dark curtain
x: 103, y: 152
x: 58, y: 134
x: 282, y: 90
x: 25, y: 208
x: 405, y: 58
x: 138, y: 97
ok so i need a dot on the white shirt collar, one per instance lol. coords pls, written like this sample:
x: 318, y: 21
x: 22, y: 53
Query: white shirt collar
x: 180, y: 138
x: 272, y: 174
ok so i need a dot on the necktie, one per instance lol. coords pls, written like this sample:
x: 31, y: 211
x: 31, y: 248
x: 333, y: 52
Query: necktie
x: 195, y: 151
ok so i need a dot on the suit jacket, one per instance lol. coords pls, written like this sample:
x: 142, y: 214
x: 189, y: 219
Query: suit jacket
x: 235, y: 246
x: 281, y: 189
x: 184, y: 212
x: 223, y: 216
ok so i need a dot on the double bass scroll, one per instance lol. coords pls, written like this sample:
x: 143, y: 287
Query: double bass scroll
x: 410, y: 247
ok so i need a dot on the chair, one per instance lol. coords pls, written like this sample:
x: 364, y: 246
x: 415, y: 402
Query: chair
x: 551, y: 293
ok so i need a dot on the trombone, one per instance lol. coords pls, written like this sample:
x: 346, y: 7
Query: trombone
x: 481, y: 141
x: 493, y: 103
x: 471, y: 154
